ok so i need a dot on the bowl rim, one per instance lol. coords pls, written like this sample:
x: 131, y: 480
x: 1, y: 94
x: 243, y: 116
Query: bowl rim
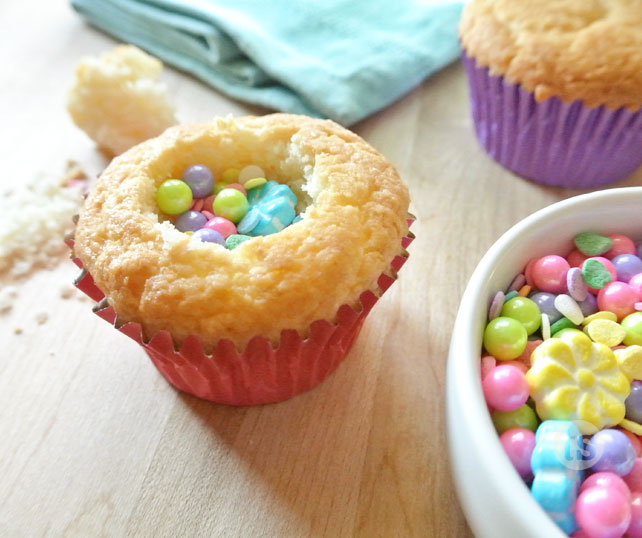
x: 464, y: 391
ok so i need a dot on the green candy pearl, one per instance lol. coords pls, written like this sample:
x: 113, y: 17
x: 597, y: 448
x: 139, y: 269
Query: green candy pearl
x: 524, y: 417
x: 230, y: 204
x: 505, y: 338
x: 524, y: 310
x: 632, y: 324
x: 174, y: 197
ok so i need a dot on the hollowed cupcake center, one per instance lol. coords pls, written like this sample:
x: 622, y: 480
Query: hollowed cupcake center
x: 240, y: 204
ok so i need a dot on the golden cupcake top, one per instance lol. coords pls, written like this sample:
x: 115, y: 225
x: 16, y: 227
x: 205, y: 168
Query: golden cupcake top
x: 589, y: 50
x: 353, y: 209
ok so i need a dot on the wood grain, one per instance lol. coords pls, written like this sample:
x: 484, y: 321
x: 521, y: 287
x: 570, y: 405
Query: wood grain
x: 93, y: 442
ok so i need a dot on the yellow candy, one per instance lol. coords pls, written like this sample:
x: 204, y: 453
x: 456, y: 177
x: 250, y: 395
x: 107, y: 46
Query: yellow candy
x: 230, y: 176
x: 253, y: 183
x: 599, y: 315
x: 605, y: 331
x: 629, y: 361
x: 631, y: 426
x: 572, y: 378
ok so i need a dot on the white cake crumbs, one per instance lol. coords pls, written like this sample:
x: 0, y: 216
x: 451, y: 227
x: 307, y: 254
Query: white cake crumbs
x: 41, y: 318
x: 7, y: 296
x: 36, y: 215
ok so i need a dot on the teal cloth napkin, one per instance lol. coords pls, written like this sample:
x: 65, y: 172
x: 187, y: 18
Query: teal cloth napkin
x: 342, y: 59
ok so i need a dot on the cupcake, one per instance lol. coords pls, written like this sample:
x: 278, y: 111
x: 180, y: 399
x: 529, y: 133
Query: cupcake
x: 272, y: 315
x: 556, y: 87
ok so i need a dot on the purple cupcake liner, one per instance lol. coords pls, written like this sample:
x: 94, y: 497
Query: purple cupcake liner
x: 552, y: 142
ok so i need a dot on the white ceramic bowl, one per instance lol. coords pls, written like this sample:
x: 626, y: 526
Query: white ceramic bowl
x: 495, y: 500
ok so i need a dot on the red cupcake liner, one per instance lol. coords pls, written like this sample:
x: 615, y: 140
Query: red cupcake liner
x: 261, y: 373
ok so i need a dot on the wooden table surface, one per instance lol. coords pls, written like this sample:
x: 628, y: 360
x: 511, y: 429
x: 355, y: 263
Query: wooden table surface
x: 94, y: 442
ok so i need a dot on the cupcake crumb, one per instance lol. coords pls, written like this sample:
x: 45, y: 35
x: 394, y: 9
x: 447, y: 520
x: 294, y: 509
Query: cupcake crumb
x: 7, y: 296
x: 66, y: 292
x: 17, y: 330
x: 41, y: 318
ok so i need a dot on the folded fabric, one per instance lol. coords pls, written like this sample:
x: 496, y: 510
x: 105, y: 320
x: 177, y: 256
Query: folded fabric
x: 343, y: 59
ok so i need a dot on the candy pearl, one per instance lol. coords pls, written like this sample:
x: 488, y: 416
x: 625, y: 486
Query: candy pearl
x: 603, y: 512
x: 576, y: 258
x: 209, y: 236
x: 621, y: 245
x: 174, y: 197
x: 634, y: 478
x: 617, y: 297
x: 505, y: 338
x: 525, y: 311
x: 589, y: 305
x: 606, y: 480
x: 636, y: 284
x: 190, y: 221
x: 549, y: 274
x: 626, y: 266
x: 633, y: 402
x: 222, y: 226
x: 238, y: 187
x: 518, y: 444
x: 546, y: 303
x: 632, y: 324
x: 524, y: 417
x: 635, y: 527
x: 613, y: 451
x: 200, y: 179
x: 231, y: 204
x: 505, y: 388
x: 635, y: 441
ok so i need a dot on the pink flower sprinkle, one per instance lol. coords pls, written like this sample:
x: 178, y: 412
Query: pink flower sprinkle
x: 209, y: 215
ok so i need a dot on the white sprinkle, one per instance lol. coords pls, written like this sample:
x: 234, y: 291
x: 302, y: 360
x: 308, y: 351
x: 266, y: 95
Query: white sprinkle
x: 638, y: 306
x: 576, y: 285
x: 566, y: 305
x: 250, y: 172
x: 546, y: 327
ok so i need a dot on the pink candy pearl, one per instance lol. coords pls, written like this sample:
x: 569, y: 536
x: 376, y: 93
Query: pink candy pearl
x: 519, y: 444
x: 621, y: 245
x: 576, y: 258
x: 222, y: 226
x: 603, y: 512
x: 505, y: 388
x: 635, y: 527
x: 636, y: 284
x: 549, y: 274
x: 634, y: 478
x: 609, y: 267
x: 238, y: 187
x: 606, y: 480
x: 619, y: 298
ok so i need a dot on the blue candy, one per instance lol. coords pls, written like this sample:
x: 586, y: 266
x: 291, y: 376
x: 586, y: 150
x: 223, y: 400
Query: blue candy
x: 271, y: 209
x: 557, y: 464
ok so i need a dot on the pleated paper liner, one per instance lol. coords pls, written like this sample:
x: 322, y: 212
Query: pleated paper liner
x: 552, y: 142
x: 261, y: 373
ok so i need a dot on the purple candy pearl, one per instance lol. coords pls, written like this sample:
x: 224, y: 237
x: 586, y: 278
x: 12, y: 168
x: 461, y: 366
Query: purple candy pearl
x: 209, y: 236
x: 190, y: 221
x: 589, y: 305
x: 639, y: 250
x: 633, y: 402
x: 546, y: 303
x: 614, y: 452
x: 627, y: 265
x: 200, y: 179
